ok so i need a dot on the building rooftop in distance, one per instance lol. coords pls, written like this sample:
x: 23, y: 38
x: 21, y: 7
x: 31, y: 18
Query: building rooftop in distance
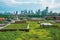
x: 46, y: 24
x: 1, y: 19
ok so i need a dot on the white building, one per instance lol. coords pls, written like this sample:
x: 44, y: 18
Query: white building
x: 45, y: 24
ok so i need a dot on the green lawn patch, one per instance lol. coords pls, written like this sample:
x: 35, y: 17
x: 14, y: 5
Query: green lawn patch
x: 35, y: 32
x: 16, y: 26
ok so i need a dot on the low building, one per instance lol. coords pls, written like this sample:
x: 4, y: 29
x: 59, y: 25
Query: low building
x: 2, y: 19
x: 54, y: 18
x: 21, y: 21
x: 57, y: 19
x: 43, y: 25
x: 37, y: 19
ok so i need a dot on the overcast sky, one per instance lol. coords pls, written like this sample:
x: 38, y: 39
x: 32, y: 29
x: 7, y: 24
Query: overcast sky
x: 17, y: 5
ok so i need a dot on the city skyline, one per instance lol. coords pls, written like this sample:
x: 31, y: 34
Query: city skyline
x: 18, y: 5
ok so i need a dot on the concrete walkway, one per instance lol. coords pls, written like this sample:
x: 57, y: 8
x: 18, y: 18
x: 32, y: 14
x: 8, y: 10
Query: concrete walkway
x: 5, y: 26
x: 28, y: 26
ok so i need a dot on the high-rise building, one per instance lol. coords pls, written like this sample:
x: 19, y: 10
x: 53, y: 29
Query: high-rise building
x: 51, y: 13
x: 32, y: 12
x: 22, y: 12
x: 29, y: 12
x: 46, y: 11
x: 16, y: 12
x: 25, y: 11
x: 38, y: 12
x: 16, y: 15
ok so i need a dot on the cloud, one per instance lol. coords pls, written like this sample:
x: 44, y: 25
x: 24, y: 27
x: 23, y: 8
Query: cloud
x: 54, y: 4
x: 8, y: 2
x: 14, y: 2
x: 51, y: 4
x: 44, y: 3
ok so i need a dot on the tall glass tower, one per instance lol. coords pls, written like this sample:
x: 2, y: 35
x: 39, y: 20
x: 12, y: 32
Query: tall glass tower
x: 16, y: 15
x: 46, y: 11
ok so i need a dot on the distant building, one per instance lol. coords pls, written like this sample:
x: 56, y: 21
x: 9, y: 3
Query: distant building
x: 25, y: 11
x: 16, y: 12
x: 54, y: 18
x: 22, y: 12
x: 28, y: 12
x: 38, y: 12
x: 44, y: 25
x: 16, y: 15
x: 50, y: 13
x: 36, y: 19
x: 32, y: 12
x: 2, y: 19
x: 57, y: 19
x: 45, y: 12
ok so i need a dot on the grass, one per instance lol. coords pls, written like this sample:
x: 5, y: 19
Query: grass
x: 33, y: 24
x: 35, y: 33
x: 16, y: 26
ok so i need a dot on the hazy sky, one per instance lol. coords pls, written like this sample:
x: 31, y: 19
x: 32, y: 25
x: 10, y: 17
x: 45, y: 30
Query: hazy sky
x: 13, y: 5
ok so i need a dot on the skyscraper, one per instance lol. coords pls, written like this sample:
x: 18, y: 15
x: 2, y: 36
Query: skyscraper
x: 38, y: 12
x: 50, y: 13
x: 25, y: 11
x: 32, y: 12
x: 16, y: 12
x: 29, y: 12
x: 46, y: 11
x: 16, y: 15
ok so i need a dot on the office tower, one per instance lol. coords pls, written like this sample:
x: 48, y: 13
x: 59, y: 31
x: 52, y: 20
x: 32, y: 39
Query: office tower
x: 50, y: 13
x: 16, y: 12
x: 25, y: 11
x: 46, y: 11
x: 22, y: 12
x: 38, y: 12
x: 16, y: 15
x: 32, y: 12
x: 29, y: 12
